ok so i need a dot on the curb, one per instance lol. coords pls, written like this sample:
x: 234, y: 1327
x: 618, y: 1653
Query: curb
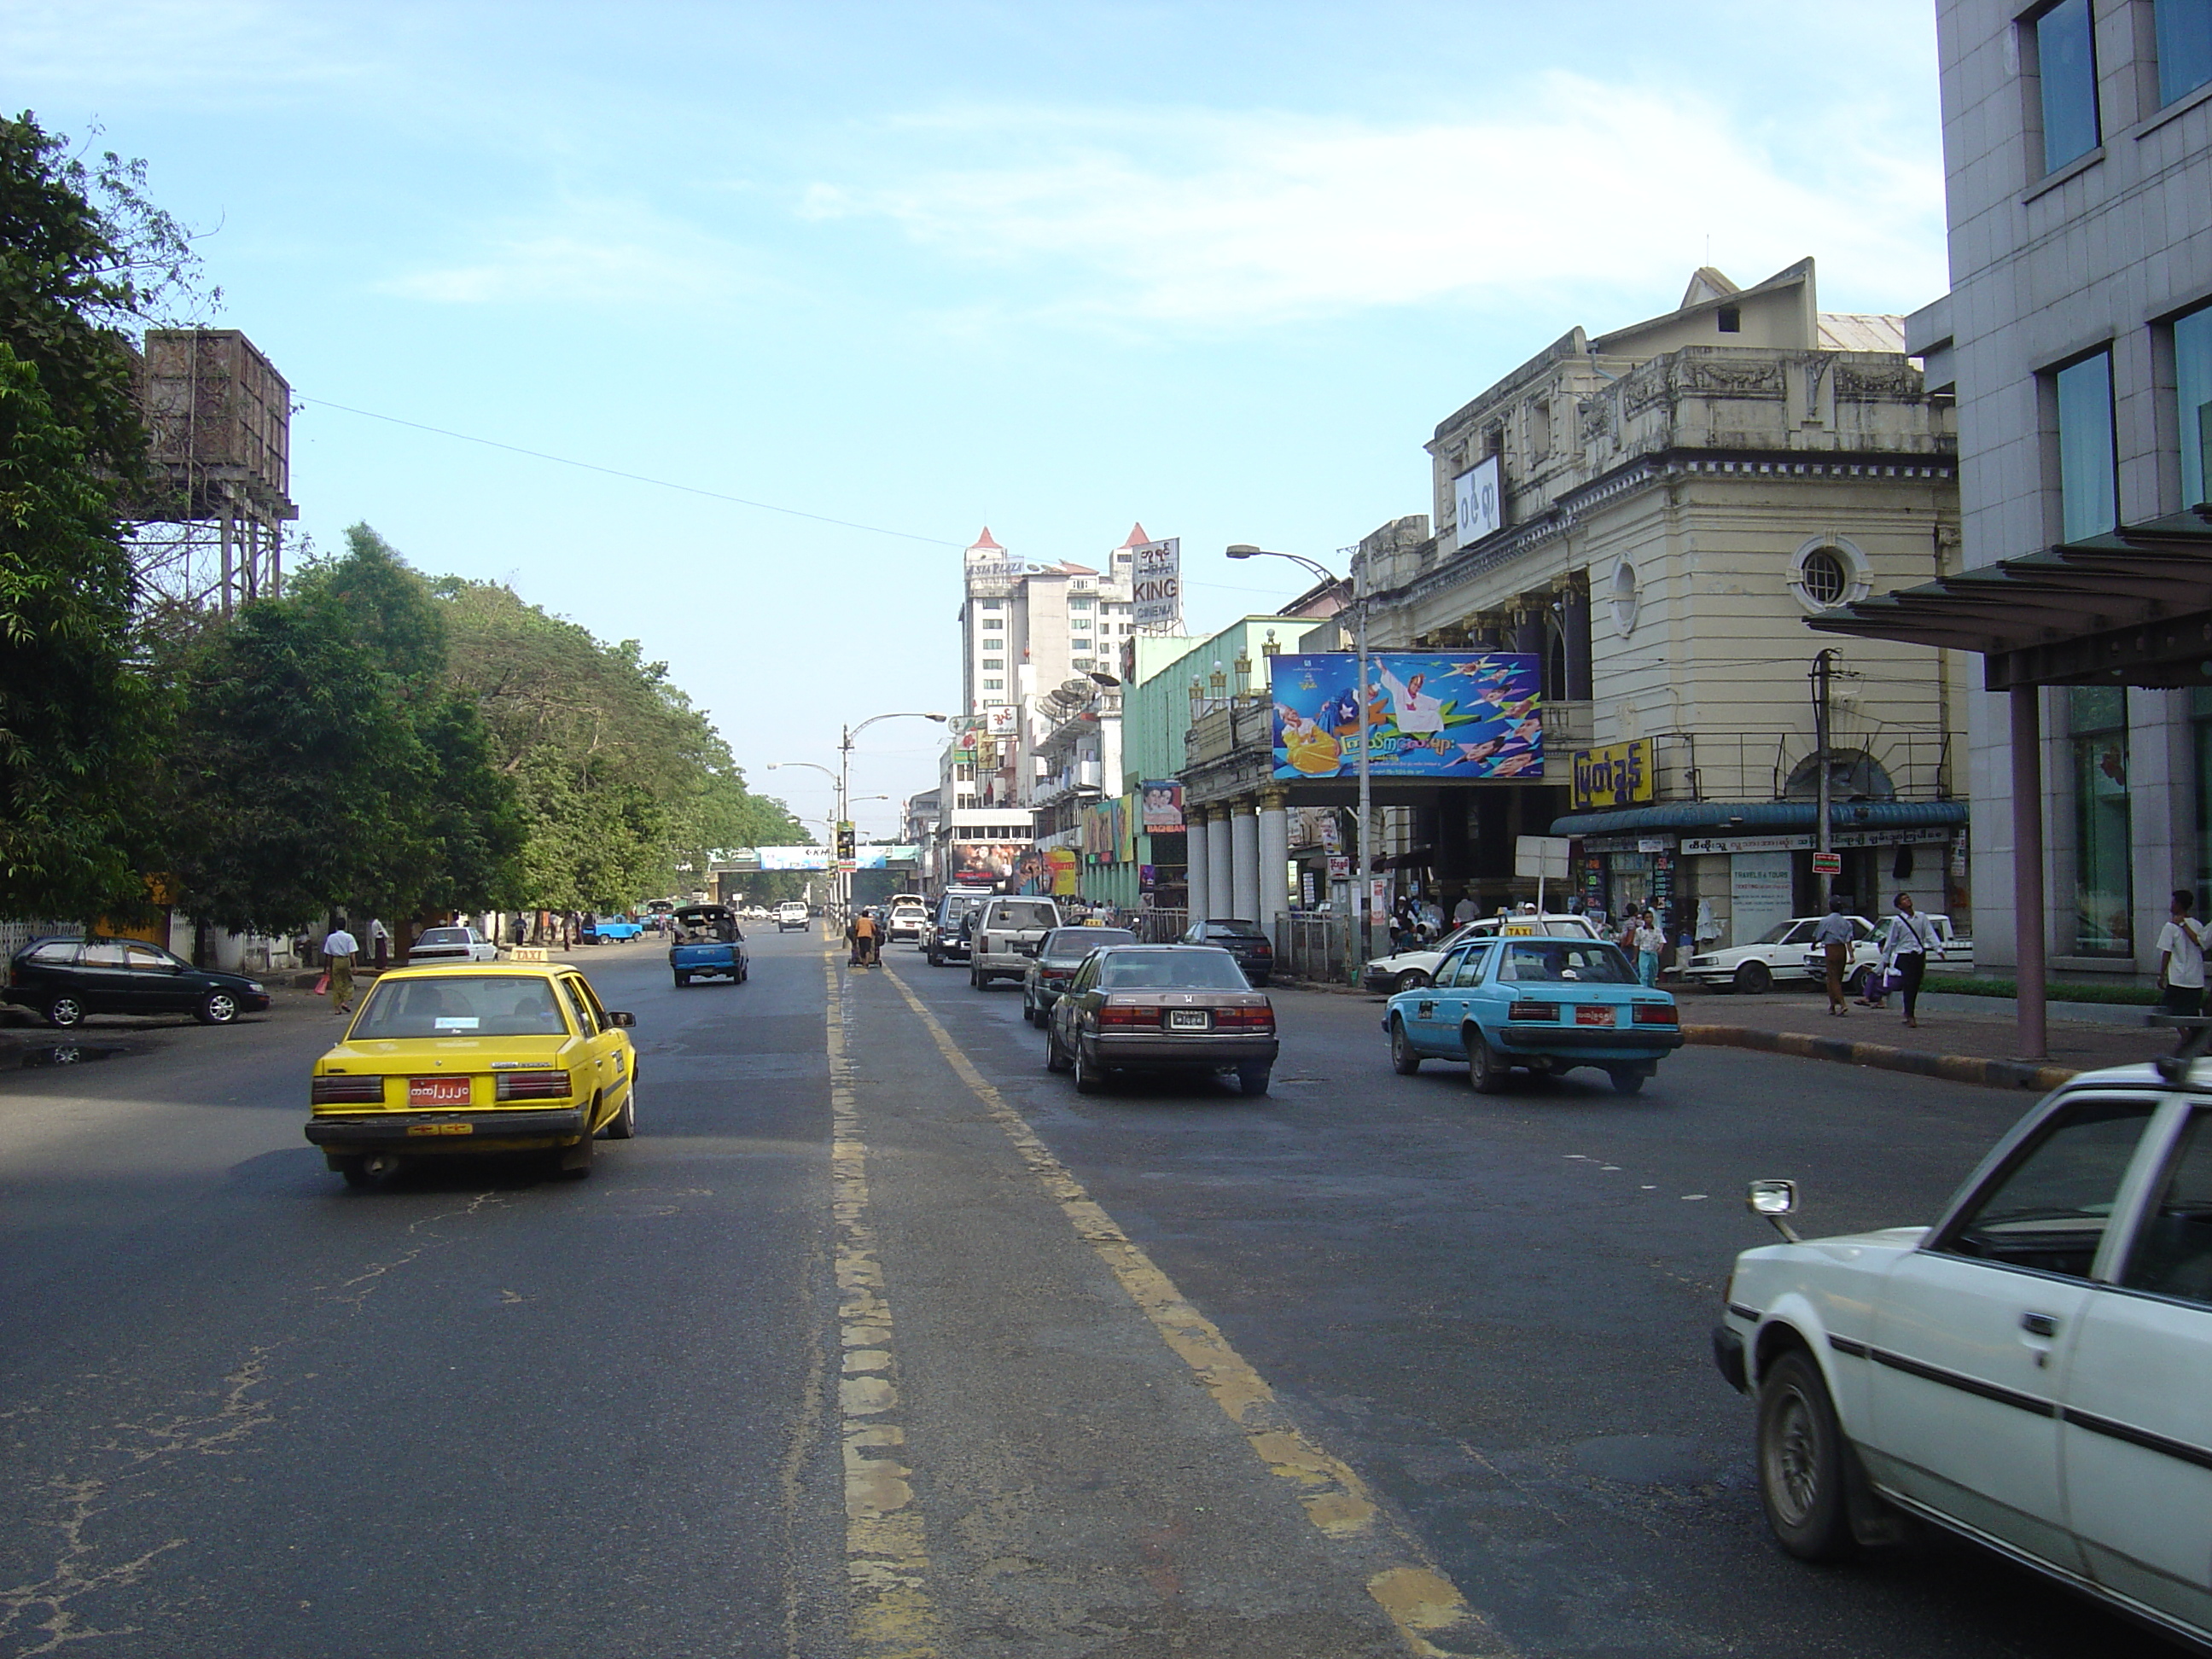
x: 1956, y: 1068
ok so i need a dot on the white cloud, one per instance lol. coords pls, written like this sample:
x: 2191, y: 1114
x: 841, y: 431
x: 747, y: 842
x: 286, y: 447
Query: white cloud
x: 586, y: 253
x: 1211, y: 220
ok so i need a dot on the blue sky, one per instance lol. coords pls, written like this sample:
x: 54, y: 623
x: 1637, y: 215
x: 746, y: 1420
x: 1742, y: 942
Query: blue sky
x: 924, y: 266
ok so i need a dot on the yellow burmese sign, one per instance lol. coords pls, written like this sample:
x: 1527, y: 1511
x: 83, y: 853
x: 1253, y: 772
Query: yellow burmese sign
x: 1618, y: 774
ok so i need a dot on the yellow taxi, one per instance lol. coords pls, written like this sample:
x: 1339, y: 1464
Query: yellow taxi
x: 474, y: 1058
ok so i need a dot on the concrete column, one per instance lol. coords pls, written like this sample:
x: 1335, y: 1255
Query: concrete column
x: 1274, y: 857
x: 1244, y: 858
x: 1219, y: 897
x: 1194, y: 819
x: 2027, y: 868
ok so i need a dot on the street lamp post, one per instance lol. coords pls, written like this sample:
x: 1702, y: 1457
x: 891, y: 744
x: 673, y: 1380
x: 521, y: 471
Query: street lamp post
x: 1361, y: 943
x: 845, y: 782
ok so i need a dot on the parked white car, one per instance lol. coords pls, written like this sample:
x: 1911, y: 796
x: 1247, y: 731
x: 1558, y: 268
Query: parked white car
x: 1950, y: 951
x: 1780, y: 953
x: 452, y: 944
x: 1408, y: 970
x: 2030, y: 1371
x: 908, y: 919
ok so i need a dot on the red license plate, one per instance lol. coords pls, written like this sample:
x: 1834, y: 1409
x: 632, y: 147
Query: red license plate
x: 1589, y: 1014
x: 437, y: 1091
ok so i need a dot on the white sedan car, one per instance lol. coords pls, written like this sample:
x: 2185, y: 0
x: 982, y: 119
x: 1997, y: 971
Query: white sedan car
x: 2034, y: 1371
x: 452, y: 944
x: 1409, y: 970
x: 1780, y: 953
x: 907, y: 922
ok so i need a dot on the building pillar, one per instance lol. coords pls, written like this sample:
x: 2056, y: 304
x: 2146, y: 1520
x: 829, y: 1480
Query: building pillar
x: 1243, y: 859
x: 1219, y: 897
x: 1274, y: 857
x: 2027, y: 856
x: 1195, y: 872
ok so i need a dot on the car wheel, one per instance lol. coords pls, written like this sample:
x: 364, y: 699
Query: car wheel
x: 1254, y: 1079
x: 935, y: 960
x: 575, y: 1163
x: 624, y: 1126
x: 682, y: 980
x: 1627, y: 1080
x: 218, y: 1008
x: 1412, y: 979
x: 1090, y: 1076
x: 1056, y: 1057
x: 63, y: 1012
x: 1754, y: 979
x: 1405, y: 1059
x: 1856, y: 984
x: 356, y: 1172
x: 1801, y: 1461
x: 1486, y: 1074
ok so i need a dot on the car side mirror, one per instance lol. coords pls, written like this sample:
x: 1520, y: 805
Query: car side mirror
x: 1777, y: 1200
x: 625, y: 1021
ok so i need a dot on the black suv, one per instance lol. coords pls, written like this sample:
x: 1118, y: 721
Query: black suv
x: 1242, y: 939
x: 66, y: 979
x: 947, y: 940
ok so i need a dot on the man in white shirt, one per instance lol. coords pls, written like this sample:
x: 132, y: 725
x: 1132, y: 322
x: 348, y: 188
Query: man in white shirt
x: 1418, y: 714
x: 340, y: 949
x: 2181, y: 959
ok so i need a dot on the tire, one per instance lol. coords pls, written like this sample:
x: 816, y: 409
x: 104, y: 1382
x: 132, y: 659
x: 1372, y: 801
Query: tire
x: 1405, y: 1059
x: 1090, y: 1078
x: 624, y: 1126
x: 217, y: 1008
x: 64, y: 1013
x: 1254, y: 1079
x: 682, y: 980
x: 575, y: 1163
x: 1412, y: 979
x: 1627, y: 1080
x: 1801, y: 1461
x: 1055, y: 1060
x: 1856, y: 986
x: 356, y: 1172
x: 1754, y: 979
x: 1485, y: 1072
x: 935, y: 960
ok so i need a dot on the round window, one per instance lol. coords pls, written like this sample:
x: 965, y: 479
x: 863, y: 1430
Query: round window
x: 1824, y: 576
x: 1623, y: 597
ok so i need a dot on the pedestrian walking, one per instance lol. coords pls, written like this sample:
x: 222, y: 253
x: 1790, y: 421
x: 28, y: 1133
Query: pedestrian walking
x: 2181, y: 959
x: 1650, y: 940
x: 1905, y: 950
x: 380, y: 942
x: 340, y: 949
x: 1465, y: 911
x: 1833, y: 936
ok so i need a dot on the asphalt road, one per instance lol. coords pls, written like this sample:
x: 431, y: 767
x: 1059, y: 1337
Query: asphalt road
x: 879, y: 1340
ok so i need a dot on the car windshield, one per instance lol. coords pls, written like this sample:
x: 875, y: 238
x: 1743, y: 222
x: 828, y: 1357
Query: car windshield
x: 1024, y: 915
x: 1554, y: 961
x: 443, y: 936
x: 1073, y: 944
x: 1232, y: 930
x: 459, y: 1006
x: 1779, y: 934
x: 1173, y: 970
x: 700, y: 926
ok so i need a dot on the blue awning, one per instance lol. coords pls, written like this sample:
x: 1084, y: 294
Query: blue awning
x: 1747, y: 817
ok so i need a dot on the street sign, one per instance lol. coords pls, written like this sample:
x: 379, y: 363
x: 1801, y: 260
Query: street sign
x: 1828, y: 864
x: 1340, y: 867
x: 1544, y: 857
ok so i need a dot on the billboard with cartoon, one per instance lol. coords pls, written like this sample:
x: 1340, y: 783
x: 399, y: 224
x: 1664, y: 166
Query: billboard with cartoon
x: 1466, y: 716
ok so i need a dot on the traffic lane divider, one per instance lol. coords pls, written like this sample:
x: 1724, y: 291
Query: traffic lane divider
x: 1956, y: 1068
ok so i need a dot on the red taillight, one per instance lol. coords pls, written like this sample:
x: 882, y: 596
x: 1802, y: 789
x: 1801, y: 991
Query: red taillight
x: 1262, y: 1020
x: 1534, y: 1010
x: 346, y: 1092
x: 1656, y: 1013
x: 531, y: 1085
x: 1127, y: 1016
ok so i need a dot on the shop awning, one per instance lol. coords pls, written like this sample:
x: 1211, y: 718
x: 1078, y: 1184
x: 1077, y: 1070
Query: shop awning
x: 1684, y: 817
x: 2133, y: 607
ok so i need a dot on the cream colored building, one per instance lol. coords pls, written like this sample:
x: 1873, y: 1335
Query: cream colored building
x: 1656, y: 512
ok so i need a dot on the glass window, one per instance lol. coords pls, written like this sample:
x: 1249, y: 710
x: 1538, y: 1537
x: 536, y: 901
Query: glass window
x: 2172, y: 1253
x: 1469, y: 973
x: 2192, y: 392
x: 2184, y: 50
x: 458, y: 1005
x: 2087, y: 503
x: 2104, y: 822
x: 584, y: 1020
x: 2048, y: 1208
x: 2066, y: 63
x: 1553, y: 962
x: 2200, y: 708
x: 151, y: 959
x: 1191, y: 969
x: 108, y: 953
x: 54, y: 952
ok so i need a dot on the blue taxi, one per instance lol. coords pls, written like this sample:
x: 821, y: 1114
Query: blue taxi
x: 1546, y: 1004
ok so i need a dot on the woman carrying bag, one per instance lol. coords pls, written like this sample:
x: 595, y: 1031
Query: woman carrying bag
x: 1905, y: 951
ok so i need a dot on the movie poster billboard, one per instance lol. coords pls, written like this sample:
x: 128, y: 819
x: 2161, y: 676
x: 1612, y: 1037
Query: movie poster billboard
x: 983, y: 863
x: 1462, y: 716
x: 1163, y: 806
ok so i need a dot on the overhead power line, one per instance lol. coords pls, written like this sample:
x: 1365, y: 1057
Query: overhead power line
x: 633, y: 477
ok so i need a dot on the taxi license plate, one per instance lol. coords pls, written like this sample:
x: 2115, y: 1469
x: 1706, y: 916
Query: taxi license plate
x: 1188, y: 1020
x: 437, y: 1091
x: 441, y: 1128
x: 1594, y: 1014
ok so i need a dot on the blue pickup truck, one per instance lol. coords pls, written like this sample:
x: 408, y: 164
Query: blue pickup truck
x: 609, y: 930
x: 707, y: 941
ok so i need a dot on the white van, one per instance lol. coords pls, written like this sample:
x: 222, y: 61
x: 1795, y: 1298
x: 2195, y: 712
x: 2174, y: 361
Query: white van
x: 1007, y: 934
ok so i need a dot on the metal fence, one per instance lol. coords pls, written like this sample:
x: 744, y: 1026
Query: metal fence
x: 1310, y: 945
x: 14, y: 935
x: 1160, y: 926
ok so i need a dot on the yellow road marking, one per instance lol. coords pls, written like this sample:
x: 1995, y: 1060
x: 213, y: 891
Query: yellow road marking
x: 1431, y: 1616
x: 886, y: 1552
